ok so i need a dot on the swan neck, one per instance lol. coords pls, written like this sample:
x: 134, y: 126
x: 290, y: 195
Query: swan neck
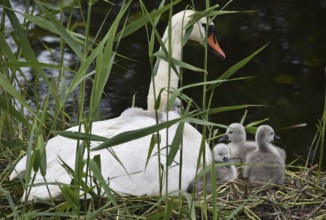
x: 166, y: 78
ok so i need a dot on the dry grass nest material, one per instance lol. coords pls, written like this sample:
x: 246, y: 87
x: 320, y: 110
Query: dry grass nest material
x: 303, y: 196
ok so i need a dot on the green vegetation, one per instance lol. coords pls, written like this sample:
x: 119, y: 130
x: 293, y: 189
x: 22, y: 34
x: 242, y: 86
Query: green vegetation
x: 25, y: 128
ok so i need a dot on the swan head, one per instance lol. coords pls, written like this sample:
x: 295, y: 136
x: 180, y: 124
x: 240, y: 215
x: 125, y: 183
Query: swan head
x: 198, y: 30
x: 266, y: 132
x: 235, y: 133
x: 221, y: 153
x: 176, y: 106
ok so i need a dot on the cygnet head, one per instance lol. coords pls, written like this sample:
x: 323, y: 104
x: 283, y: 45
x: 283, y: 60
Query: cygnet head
x: 176, y: 106
x: 198, y: 32
x: 266, y: 133
x: 235, y: 133
x: 221, y: 153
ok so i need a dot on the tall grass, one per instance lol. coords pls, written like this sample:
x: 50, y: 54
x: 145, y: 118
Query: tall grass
x: 25, y: 129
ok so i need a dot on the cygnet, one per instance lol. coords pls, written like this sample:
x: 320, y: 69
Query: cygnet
x: 223, y: 174
x: 266, y: 164
x: 238, y: 145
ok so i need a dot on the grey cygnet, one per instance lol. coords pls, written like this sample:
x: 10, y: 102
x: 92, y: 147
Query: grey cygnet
x: 266, y: 164
x: 224, y: 173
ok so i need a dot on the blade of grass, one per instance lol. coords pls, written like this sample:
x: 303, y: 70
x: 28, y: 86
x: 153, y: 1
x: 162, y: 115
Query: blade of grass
x: 135, y: 25
x: 98, y: 175
x: 238, y: 66
x: 33, y: 64
x: 6, y: 106
x: 6, y: 85
x: 27, y: 50
x: 322, y: 134
x: 162, y: 55
x: 175, y: 146
x: 138, y: 133
x: 80, y: 136
x: 62, y: 31
x: 155, y: 140
x: 10, y: 201
x: 104, y: 61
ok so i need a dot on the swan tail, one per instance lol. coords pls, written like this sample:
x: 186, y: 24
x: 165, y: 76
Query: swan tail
x: 42, y: 192
x: 19, y: 169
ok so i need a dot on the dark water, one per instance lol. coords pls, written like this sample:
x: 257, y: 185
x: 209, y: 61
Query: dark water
x: 289, y: 72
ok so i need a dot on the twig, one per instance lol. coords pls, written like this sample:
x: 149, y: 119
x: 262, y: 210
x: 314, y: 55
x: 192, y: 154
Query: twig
x: 313, y: 212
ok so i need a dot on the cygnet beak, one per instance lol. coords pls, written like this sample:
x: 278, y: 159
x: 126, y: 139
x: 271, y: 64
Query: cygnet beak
x: 226, y: 159
x: 225, y: 138
x: 277, y: 138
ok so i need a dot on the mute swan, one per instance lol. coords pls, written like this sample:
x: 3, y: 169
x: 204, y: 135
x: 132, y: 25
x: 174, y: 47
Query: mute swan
x: 132, y: 178
x: 224, y: 174
x: 239, y: 147
x: 265, y: 164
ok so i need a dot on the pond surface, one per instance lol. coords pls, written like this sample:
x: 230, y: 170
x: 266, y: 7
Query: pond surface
x: 289, y: 72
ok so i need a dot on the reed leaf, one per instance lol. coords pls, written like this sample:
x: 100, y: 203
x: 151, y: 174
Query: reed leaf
x: 179, y: 63
x: 70, y: 197
x: 98, y: 175
x: 62, y: 31
x: 34, y: 64
x: 134, y: 134
x: 139, y: 23
x: 8, y: 107
x: 175, y: 146
x: 80, y: 136
x: 26, y: 47
x: 6, y: 86
x: 138, y: 133
x: 49, y: 26
x: 227, y: 74
x: 10, y: 201
x: 6, y: 49
x: 156, y: 139
x: 104, y: 61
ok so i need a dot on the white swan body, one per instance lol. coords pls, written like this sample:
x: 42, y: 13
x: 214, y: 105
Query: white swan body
x: 221, y: 154
x: 131, y: 178
x: 265, y: 164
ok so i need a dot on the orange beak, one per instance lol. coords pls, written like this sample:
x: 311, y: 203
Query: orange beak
x: 213, y: 44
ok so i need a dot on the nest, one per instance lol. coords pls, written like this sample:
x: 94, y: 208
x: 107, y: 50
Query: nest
x: 303, y: 196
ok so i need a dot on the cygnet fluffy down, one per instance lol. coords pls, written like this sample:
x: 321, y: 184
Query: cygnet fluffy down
x: 224, y: 173
x: 266, y: 164
x: 238, y: 145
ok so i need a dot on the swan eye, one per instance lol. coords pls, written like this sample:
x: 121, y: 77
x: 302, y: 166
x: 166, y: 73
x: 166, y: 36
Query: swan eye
x: 204, y: 25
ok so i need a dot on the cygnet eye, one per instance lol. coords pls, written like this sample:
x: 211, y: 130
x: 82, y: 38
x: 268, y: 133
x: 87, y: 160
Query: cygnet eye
x: 230, y: 132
